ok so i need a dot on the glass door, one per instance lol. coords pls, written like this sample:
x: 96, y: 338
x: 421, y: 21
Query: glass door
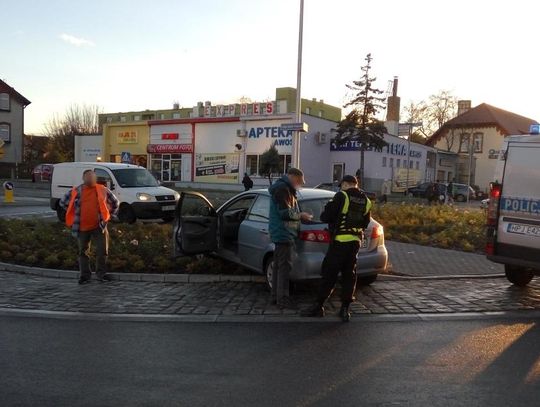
x: 166, y: 167
x: 338, y: 171
x: 176, y: 168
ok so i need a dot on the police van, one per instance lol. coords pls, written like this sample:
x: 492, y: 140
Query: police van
x: 513, y: 215
x: 139, y: 193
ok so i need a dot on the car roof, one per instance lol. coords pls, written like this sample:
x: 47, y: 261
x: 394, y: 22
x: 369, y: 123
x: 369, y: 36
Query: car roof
x: 112, y: 166
x: 304, y: 193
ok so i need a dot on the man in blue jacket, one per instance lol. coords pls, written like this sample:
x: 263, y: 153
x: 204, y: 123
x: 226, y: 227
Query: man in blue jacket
x: 284, y: 224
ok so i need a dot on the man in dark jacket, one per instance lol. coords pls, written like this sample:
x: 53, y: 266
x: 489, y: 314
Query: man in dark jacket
x: 284, y: 224
x: 247, y: 181
x: 347, y: 214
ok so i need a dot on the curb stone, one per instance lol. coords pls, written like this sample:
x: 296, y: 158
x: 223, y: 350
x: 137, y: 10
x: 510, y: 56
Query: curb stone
x: 138, y: 277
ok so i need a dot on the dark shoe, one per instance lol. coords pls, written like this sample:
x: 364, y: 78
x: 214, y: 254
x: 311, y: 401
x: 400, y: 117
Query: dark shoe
x: 84, y: 280
x: 286, y: 303
x: 315, y: 311
x: 104, y: 278
x: 345, y: 313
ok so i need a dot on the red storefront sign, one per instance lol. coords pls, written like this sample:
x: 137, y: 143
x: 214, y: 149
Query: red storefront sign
x: 169, y: 148
x: 169, y: 136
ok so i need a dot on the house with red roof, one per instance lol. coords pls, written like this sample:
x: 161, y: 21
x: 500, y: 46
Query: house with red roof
x: 12, y: 105
x: 470, y: 142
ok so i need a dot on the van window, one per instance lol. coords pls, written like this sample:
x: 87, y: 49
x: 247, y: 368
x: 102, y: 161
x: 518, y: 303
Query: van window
x: 134, y: 178
x: 103, y: 177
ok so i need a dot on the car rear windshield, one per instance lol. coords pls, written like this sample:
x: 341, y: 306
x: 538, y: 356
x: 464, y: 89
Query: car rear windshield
x: 315, y: 207
x: 134, y: 177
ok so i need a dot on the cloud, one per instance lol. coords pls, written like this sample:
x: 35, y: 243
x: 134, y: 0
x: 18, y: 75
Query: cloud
x: 77, y: 41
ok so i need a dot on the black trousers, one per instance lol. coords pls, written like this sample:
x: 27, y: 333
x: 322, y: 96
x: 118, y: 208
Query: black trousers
x: 340, y: 258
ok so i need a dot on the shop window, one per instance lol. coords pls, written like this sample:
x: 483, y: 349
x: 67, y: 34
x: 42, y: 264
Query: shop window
x: 5, y: 132
x: 418, y: 165
x: 123, y: 119
x: 288, y: 161
x: 411, y: 163
x: 398, y: 162
x: 384, y: 161
x: 252, y: 164
x: 391, y: 163
x: 176, y: 115
x: 4, y: 101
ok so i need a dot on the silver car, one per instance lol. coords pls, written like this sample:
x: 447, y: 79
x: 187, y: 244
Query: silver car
x: 238, y: 231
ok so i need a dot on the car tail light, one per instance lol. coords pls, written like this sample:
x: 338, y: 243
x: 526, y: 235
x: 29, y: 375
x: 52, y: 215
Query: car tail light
x: 318, y: 236
x: 376, y: 232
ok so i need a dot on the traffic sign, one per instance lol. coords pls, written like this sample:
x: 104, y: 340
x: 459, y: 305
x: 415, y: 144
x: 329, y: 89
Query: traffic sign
x: 126, y: 157
x: 8, y: 186
x: 301, y: 127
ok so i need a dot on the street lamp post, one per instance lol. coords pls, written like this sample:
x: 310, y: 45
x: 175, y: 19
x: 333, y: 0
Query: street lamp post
x: 296, y: 135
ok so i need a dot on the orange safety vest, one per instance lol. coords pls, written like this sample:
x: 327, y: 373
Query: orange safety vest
x: 102, y: 202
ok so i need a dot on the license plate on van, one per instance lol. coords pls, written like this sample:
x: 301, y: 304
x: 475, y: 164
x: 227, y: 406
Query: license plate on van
x: 168, y: 208
x: 521, y: 229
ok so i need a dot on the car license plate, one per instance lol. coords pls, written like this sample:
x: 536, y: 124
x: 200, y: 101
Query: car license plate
x: 363, y: 244
x: 521, y: 229
x: 168, y: 208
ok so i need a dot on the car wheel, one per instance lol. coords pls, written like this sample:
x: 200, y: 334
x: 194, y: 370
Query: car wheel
x: 519, y: 276
x: 126, y: 214
x: 269, y: 271
x: 61, y: 214
x: 367, y: 280
x: 461, y: 198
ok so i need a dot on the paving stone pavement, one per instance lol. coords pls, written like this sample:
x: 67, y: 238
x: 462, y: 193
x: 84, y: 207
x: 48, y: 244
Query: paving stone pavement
x: 234, y: 298
x: 415, y: 260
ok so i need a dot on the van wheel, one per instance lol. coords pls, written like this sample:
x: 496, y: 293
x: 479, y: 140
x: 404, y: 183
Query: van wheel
x: 519, y: 276
x: 61, y: 214
x: 126, y: 214
x: 269, y: 271
x: 365, y: 281
x: 461, y: 198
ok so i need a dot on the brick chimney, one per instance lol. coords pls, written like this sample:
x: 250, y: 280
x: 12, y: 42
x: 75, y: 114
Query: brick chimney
x: 392, y: 110
x: 463, y: 106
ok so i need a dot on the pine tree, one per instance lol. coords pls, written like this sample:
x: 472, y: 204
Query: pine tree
x: 270, y: 162
x: 361, y: 124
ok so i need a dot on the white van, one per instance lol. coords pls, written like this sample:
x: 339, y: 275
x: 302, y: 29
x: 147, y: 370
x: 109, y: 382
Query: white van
x: 513, y: 236
x: 139, y: 193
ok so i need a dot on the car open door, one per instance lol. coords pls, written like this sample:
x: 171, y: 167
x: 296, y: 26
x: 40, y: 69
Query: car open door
x: 196, y: 225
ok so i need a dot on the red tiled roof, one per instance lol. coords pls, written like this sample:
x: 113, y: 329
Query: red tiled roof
x: 485, y: 115
x: 5, y: 88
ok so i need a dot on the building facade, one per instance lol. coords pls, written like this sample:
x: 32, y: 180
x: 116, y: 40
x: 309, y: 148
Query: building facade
x: 12, y: 105
x: 469, y: 144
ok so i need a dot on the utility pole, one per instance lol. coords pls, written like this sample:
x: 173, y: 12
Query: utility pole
x: 296, y: 135
x: 471, y: 154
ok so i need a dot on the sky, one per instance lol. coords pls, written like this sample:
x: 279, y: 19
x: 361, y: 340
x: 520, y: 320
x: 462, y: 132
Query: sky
x: 135, y: 55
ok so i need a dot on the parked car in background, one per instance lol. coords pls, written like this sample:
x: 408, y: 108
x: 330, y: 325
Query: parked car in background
x: 238, y: 231
x: 42, y: 172
x: 334, y: 187
x: 460, y: 190
x: 420, y: 190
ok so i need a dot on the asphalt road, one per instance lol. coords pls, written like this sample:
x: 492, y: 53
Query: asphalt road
x: 47, y: 362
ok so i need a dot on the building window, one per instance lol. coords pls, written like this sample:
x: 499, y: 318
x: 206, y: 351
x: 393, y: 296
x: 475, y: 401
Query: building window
x: 308, y: 110
x: 162, y: 116
x: 464, y: 143
x: 4, y: 101
x: 136, y: 118
x: 191, y: 114
x: 252, y: 164
x: 418, y: 165
x: 411, y: 163
x: 478, y: 140
x: 321, y: 113
x: 176, y: 115
x: 384, y: 161
x: 391, y: 163
x: 109, y: 119
x: 5, y: 132
x: 398, y: 162
x: 123, y: 119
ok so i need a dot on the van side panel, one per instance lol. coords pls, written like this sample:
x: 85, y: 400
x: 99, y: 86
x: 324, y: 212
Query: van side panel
x: 518, y: 231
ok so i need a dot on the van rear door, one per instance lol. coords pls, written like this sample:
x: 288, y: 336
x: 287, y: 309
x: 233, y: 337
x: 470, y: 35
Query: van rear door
x: 518, y: 232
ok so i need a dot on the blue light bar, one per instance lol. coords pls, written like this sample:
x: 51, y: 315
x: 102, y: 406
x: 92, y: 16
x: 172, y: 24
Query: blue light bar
x: 535, y: 129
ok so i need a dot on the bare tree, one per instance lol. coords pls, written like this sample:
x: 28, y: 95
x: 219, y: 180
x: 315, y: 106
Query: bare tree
x: 61, y: 129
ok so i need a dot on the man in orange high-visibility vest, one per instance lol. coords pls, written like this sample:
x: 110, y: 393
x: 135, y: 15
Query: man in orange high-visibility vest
x: 88, y: 210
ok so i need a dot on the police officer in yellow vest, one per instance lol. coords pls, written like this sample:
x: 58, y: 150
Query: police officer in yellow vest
x: 347, y: 214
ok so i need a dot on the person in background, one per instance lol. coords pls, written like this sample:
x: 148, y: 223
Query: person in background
x: 450, y: 193
x: 347, y: 214
x: 284, y: 224
x: 385, y: 190
x: 88, y: 210
x: 247, y: 181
